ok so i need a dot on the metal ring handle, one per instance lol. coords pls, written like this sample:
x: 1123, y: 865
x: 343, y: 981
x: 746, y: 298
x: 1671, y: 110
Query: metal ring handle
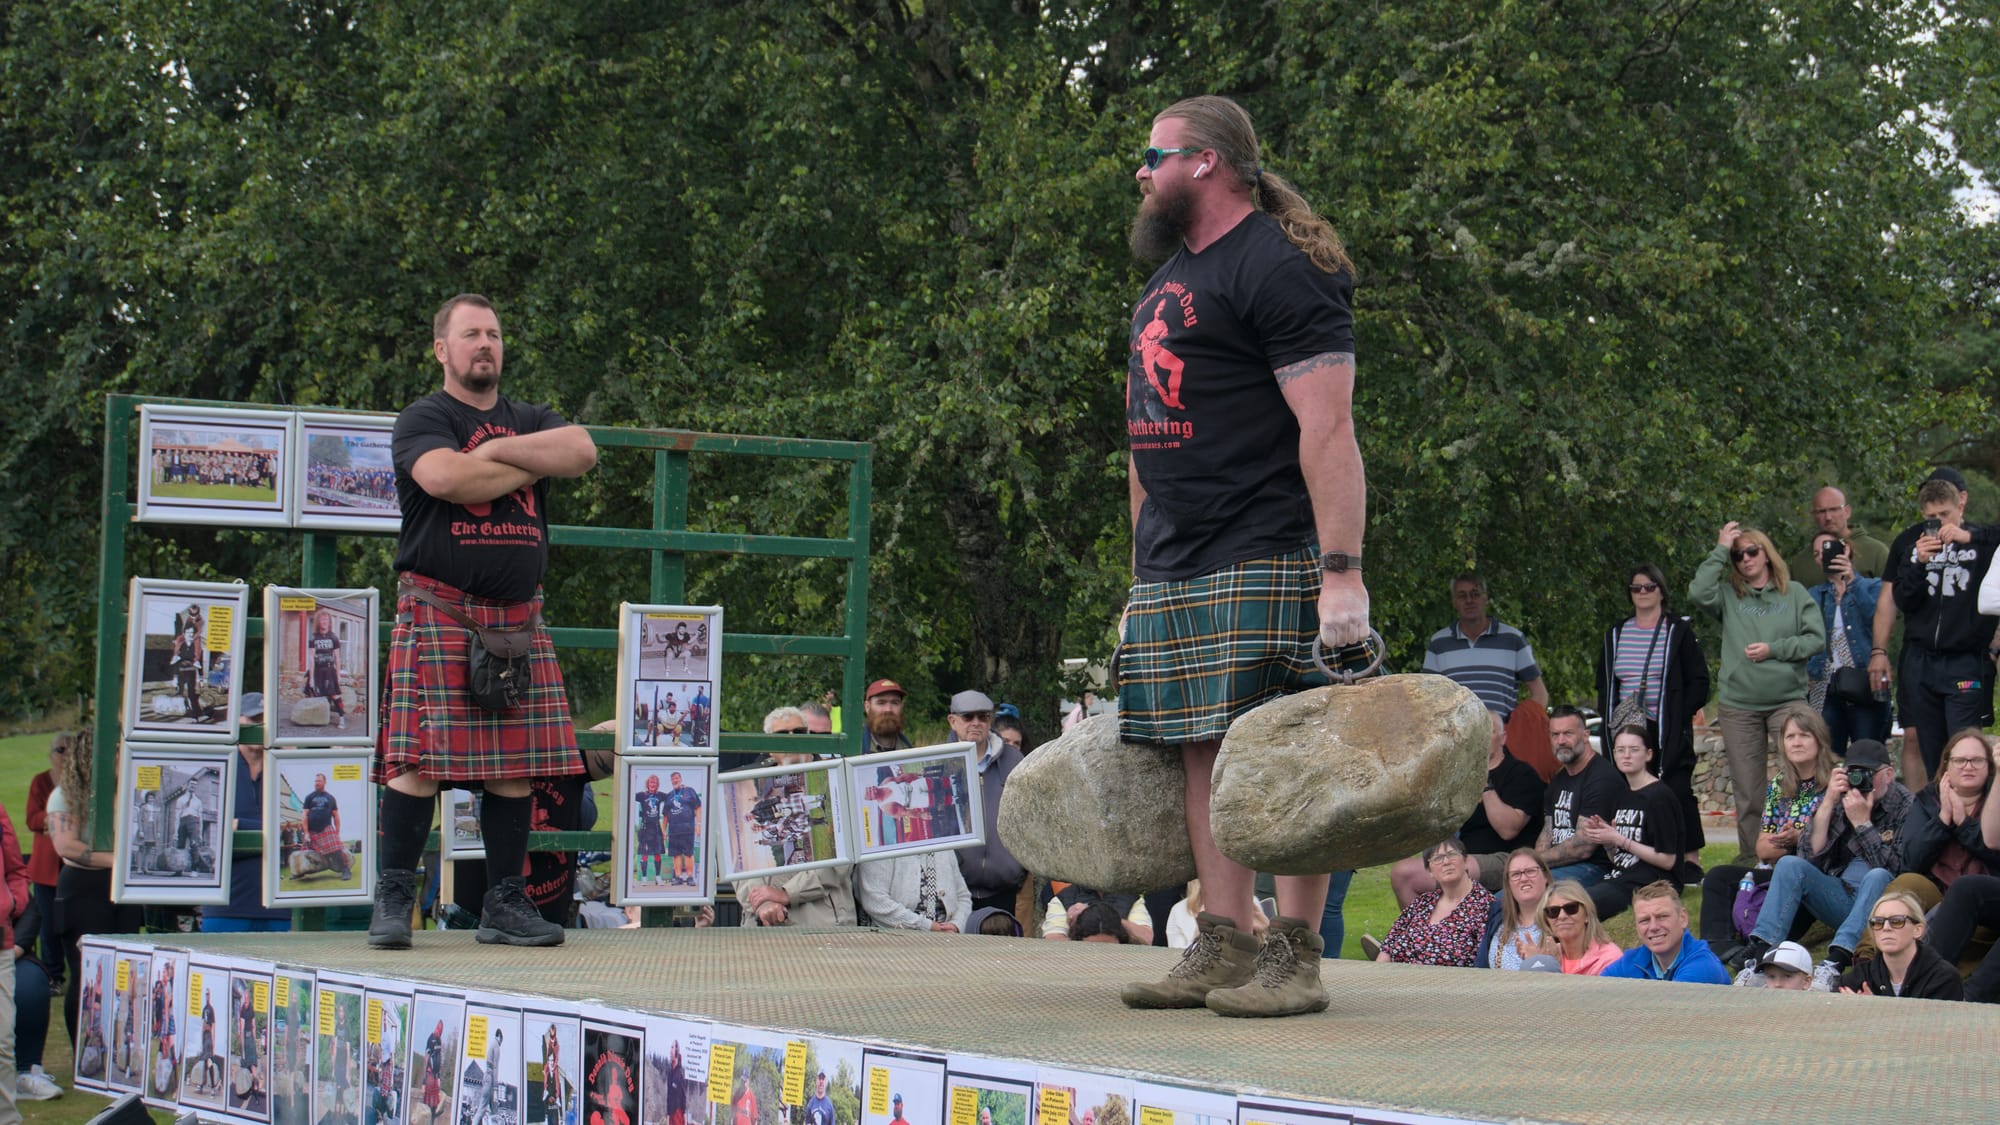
x: 1374, y: 642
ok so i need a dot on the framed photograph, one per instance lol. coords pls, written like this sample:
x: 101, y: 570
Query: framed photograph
x: 781, y: 819
x: 1068, y: 1096
x: 746, y: 1075
x: 346, y: 478
x: 460, y: 834
x: 993, y: 1091
x: 611, y: 1076
x: 669, y: 672
x: 321, y: 674
x: 292, y: 1033
x: 490, y: 1079
x: 131, y: 1018
x: 96, y: 981
x: 249, y: 1092
x: 319, y: 827
x: 184, y: 660
x: 554, y: 1043
x: 385, y: 1035
x: 170, y: 998
x: 204, y: 1067
x: 229, y: 468
x: 903, y: 1087
x: 910, y: 801
x: 675, y: 1072
x: 175, y: 805
x: 337, y: 1093
x: 829, y: 1080
x: 431, y: 1067
x: 660, y: 848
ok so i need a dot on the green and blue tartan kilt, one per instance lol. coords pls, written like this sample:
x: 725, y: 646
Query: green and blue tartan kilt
x: 1198, y: 653
x: 430, y: 725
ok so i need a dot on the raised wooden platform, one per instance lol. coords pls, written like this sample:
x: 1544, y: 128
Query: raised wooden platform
x: 1464, y: 1043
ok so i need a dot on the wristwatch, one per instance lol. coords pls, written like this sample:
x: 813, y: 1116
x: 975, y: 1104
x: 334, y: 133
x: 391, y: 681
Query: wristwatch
x: 1339, y: 562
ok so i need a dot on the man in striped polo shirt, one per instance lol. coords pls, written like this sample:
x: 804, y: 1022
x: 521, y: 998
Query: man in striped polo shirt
x: 1490, y: 659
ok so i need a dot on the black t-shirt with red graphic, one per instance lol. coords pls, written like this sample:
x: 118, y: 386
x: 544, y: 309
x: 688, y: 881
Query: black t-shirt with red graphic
x: 1214, y: 442
x: 498, y: 549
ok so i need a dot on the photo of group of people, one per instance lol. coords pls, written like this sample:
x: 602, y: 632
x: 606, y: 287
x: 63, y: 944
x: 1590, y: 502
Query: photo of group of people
x: 173, y: 809
x: 320, y: 667
x: 669, y: 669
x: 266, y: 468
x: 663, y: 813
x: 226, y: 467
x: 183, y: 661
x: 323, y: 807
x: 788, y: 818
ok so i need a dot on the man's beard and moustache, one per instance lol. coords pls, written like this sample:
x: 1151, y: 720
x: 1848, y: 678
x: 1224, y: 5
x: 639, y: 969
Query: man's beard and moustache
x: 481, y: 375
x: 886, y: 726
x: 1161, y: 225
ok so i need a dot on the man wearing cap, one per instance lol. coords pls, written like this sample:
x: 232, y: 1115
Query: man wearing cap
x: 897, y: 1118
x: 1946, y: 667
x: 991, y: 872
x: 1844, y: 863
x: 819, y: 1107
x: 1666, y: 949
x: 882, y: 715
x: 1786, y: 967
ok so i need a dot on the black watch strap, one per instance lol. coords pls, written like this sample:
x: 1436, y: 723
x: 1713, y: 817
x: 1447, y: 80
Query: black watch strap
x: 1339, y: 562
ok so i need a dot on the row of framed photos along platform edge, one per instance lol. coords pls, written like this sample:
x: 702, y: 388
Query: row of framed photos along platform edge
x: 261, y: 1043
x: 681, y: 826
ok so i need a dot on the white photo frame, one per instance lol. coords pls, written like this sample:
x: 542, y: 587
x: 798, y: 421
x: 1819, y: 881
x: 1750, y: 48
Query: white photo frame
x: 170, y: 997
x: 95, y: 984
x: 459, y: 834
x: 653, y: 833
x: 669, y: 678
x: 294, y: 1035
x: 344, y: 476
x: 175, y: 808
x: 386, y: 1030
x: 218, y: 466
x: 247, y: 1096
x: 780, y: 819
x: 337, y: 1062
x: 184, y: 660
x: 552, y: 1085
x: 130, y: 1029
x: 205, y: 1057
x: 437, y: 1020
x: 322, y: 675
x: 908, y: 802
x: 301, y: 865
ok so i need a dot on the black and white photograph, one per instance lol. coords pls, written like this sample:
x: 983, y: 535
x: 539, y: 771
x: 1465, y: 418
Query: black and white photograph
x: 174, y: 812
x: 781, y: 819
x: 224, y: 467
x: 204, y: 1060
x: 490, y: 1077
x: 337, y: 1094
x: 184, y: 660
x: 321, y: 675
x: 669, y: 670
x: 168, y: 1016
x: 554, y: 1067
x: 346, y: 479
x: 661, y: 848
x: 431, y: 1057
x: 911, y: 801
x: 319, y: 827
x: 292, y: 1037
x: 385, y: 1034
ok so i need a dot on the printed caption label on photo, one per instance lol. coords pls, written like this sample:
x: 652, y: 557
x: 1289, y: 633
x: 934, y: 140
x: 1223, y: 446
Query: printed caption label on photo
x: 374, y: 1025
x: 284, y: 992
x: 475, y: 1037
x: 194, y: 996
x: 297, y: 603
x: 794, y: 1092
x: 148, y: 779
x: 326, y: 1014
x: 124, y: 974
x: 721, y: 1071
x: 878, y: 1091
x: 349, y: 772
x: 219, y: 619
x: 1055, y: 1105
x: 260, y: 997
x: 1154, y: 1115
x: 964, y: 1105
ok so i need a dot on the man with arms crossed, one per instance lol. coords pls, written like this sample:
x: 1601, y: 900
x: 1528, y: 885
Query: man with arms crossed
x: 1248, y: 504
x: 472, y: 469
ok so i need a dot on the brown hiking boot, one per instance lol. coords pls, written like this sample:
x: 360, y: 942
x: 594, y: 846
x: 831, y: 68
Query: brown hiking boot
x: 1221, y: 956
x: 1286, y: 980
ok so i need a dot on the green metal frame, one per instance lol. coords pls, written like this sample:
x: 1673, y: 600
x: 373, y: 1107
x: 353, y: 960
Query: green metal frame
x: 668, y: 541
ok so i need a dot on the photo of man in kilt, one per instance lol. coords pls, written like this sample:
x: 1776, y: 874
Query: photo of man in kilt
x: 1248, y: 505
x: 472, y: 480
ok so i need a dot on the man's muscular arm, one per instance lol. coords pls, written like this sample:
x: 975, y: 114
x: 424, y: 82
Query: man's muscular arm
x: 461, y: 478
x: 1320, y: 391
x: 565, y: 451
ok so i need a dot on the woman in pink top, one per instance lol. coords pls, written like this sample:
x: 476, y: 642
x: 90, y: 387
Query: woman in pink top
x: 1580, y: 939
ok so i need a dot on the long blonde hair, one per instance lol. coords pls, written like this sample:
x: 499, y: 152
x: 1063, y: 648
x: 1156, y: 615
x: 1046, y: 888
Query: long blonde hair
x: 1511, y: 922
x: 1219, y: 123
x: 1781, y: 574
x: 75, y: 779
x: 1593, y: 929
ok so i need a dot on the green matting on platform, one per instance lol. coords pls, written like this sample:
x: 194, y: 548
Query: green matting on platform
x: 1455, y: 1042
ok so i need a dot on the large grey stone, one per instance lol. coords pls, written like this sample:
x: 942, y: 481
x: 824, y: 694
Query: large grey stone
x: 312, y: 711
x: 1091, y: 809
x: 1344, y: 777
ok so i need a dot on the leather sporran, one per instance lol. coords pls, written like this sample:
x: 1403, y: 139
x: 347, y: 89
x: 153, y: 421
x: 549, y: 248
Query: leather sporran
x: 500, y: 671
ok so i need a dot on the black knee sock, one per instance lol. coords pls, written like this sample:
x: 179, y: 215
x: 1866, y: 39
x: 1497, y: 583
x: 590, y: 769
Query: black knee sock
x: 503, y: 823
x: 402, y: 825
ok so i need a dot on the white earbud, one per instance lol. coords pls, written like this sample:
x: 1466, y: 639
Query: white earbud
x: 1199, y: 171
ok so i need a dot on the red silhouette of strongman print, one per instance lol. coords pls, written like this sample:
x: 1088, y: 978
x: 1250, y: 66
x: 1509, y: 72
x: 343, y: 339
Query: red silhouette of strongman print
x: 1153, y: 354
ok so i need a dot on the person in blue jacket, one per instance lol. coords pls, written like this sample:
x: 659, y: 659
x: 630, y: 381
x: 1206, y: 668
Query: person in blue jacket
x: 1667, y: 950
x: 1847, y: 604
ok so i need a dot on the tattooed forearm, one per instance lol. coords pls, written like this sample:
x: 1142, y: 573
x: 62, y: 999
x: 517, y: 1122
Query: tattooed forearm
x: 1324, y: 361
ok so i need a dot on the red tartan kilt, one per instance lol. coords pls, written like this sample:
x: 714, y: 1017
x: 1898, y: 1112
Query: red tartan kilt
x: 326, y: 841
x: 431, y: 726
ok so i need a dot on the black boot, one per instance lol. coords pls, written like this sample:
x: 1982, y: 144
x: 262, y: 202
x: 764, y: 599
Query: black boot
x: 506, y: 917
x: 395, y: 897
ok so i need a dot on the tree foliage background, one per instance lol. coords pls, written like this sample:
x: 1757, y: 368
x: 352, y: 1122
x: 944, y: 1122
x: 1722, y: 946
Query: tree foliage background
x: 1625, y: 270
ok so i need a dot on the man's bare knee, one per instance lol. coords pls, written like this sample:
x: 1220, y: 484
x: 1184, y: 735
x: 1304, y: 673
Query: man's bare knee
x: 414, y: 785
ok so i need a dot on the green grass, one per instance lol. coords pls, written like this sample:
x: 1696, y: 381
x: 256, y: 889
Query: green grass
x: 244, y: 492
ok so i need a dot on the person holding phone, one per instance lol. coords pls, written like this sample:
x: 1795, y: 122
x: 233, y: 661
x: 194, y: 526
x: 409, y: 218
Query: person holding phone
x: 1770, y: 629
x: 1946, y: 666
x: 1838, y: 678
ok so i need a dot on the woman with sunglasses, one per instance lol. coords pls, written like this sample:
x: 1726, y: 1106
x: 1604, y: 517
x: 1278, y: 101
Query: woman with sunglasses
x: 1903, y: 965
x: 1770, y: 628
x: 1514, y: 930
x: 1579, y: 936
x: 1442, y: 927
x: 1643, y: 836
x: 1651, y: 669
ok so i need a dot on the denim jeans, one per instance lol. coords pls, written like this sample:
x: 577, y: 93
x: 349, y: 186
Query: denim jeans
x: 1796, y: 882
x: 1333, y: 920
x: 1589, y: 874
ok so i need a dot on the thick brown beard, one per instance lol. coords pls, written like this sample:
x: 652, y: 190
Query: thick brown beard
x: 1160, y: 226
x: 885, y: 728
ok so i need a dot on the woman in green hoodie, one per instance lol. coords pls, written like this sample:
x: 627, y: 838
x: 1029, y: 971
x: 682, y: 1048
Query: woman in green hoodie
x: 1770, y: 628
